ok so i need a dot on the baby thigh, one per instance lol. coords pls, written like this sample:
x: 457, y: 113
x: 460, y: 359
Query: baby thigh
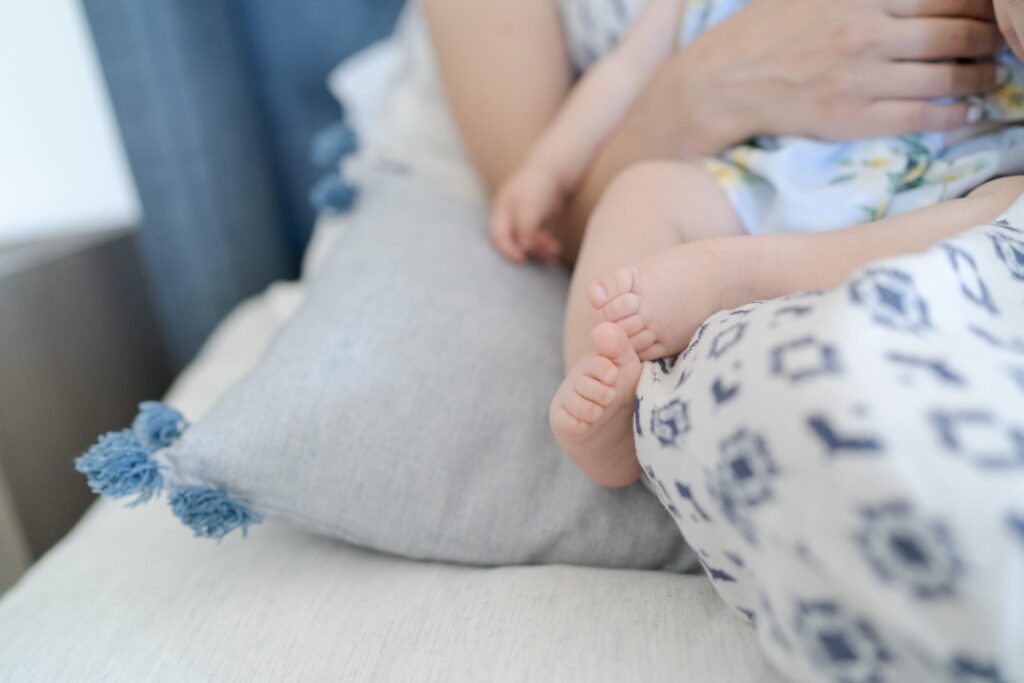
x: 649, y: 207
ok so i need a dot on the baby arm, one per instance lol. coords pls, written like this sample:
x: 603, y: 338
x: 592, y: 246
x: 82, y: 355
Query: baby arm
x: 599, y: 102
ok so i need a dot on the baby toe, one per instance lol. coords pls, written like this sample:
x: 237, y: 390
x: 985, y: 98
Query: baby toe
x: 620, y: 307
x: 653, y: 352
x: 583, y: 409
x: 603, y: 370
x: 610, y: 285
x: 562, y: 422
x: 631, y: 325
x: 642, y: 341
x: 593, y: 390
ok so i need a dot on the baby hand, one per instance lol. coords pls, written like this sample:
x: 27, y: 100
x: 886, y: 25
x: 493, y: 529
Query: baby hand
x: 527, y: 201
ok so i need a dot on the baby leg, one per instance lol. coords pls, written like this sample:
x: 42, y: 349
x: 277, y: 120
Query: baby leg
x: 662, y: 299
x: 651, y: 207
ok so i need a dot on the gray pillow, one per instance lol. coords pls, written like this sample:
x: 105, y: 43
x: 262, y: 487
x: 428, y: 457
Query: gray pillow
x: 404, y: 408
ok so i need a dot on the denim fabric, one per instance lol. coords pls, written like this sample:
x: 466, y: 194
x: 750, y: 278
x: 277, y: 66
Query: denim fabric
x: 292, y: 46
x: 216, y: 102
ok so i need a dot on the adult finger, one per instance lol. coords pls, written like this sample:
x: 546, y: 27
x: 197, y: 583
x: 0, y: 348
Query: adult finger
x: 943, y: 38
x: 901, y: 117
x: 907, y: 80
x: 974, y: 9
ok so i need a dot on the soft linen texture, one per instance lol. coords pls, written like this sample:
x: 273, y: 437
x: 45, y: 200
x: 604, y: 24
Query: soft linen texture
x: 404, y: 408
x: 283, y: 605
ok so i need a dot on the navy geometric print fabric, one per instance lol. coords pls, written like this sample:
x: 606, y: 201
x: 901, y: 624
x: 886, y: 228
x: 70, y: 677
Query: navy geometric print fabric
x: 849, y: 465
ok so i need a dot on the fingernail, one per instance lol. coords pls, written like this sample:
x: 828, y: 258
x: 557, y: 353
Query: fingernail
x: 974, y: 114
x: 1002, y: 75
x: 602, y: 295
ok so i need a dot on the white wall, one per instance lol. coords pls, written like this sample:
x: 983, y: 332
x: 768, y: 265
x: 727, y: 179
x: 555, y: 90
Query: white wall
x: 62, y: 166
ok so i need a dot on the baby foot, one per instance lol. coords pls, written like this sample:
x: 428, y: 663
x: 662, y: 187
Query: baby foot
x: 660, y: 302
x: 592, y: 412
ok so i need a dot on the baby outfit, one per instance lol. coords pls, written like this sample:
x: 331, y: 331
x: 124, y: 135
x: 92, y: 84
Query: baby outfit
x: 791, y: 184
x: 849, y: 465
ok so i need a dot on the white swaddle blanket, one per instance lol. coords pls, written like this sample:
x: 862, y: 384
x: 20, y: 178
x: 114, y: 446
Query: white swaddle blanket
x: 850, y: 465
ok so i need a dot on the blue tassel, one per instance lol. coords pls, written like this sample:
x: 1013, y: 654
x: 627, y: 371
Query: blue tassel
x: 210, y: 513
x: 119, y: 465
x: 333, y: 144
x: 158, y: 425
x: 331, y: 193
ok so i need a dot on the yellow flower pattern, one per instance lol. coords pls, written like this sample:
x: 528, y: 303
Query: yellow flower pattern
x: 1005, y: 104
x: 728, y: 175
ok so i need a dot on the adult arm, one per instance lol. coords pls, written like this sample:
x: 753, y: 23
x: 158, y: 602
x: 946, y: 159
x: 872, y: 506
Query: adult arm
x: 506, y: 71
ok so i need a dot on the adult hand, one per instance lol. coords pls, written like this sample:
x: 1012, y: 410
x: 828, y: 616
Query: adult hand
x: 841, y: 69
